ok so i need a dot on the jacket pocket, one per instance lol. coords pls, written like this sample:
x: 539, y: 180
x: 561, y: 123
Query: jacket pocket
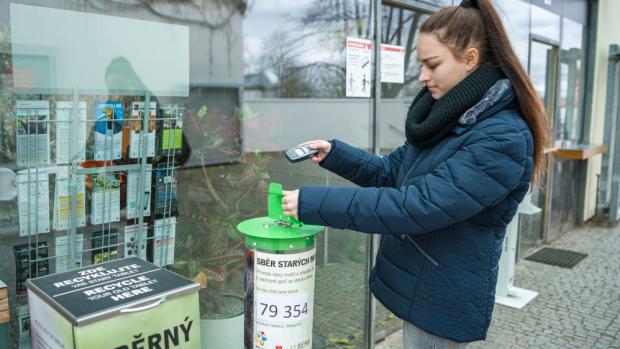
x: 417, y: 246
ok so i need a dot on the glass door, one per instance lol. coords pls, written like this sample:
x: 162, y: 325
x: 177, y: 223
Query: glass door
x: 608, y: 192
x: 400, y: 27
x: 543, y: 71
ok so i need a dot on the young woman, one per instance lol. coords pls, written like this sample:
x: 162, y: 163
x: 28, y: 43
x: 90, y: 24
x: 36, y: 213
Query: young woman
x: 441, y: 202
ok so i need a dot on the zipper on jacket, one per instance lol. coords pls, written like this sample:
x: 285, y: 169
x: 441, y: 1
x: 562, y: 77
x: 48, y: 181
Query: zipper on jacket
x: 405, y: 236
x: 420, y: 249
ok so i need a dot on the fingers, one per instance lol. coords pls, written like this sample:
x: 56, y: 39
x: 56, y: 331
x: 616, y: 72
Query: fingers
x: 289, y: 203
x: 317, y: 144
x: 288, y: 210
x: 285, y: 205
x: 312, y: 142
x: 323, y: 146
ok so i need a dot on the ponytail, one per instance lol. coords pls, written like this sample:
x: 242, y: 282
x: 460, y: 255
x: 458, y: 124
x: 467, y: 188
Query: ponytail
x: 486, y: 32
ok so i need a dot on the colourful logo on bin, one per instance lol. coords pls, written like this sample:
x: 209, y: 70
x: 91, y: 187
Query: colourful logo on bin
x: 261, y: 338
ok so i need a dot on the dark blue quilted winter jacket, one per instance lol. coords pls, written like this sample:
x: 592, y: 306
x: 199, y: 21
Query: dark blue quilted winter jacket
x: 442, y: 212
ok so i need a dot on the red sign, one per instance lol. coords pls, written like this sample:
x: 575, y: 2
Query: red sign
x: 392, y: 48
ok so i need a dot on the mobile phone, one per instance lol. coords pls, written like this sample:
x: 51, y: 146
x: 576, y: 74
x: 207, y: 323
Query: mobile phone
x: 300, y: 153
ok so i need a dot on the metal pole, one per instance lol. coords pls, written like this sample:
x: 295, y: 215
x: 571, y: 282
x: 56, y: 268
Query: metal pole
x: 142, y: 173
x: 375, y: 148
x: 612, y: 111
x: 73, y: 179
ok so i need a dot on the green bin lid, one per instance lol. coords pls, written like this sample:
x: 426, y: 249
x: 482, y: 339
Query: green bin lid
x: 268, y: 234
x: 278, y: 232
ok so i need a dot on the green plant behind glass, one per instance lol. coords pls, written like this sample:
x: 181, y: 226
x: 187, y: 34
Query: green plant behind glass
x: 213, y: 200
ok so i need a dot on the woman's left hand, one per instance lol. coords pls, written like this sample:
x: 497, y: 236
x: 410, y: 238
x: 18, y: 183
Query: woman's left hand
x: 289, y: 202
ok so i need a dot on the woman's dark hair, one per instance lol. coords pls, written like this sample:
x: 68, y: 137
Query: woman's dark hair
x: 476, y: 24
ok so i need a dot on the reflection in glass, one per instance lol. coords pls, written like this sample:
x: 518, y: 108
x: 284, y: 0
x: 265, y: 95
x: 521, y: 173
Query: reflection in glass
x: 101, y: 57
x: 545, y: 23
x: 401, y: 27
x: 571, y: 80
x: 294, y: 89
x: 542, y: 75
x: 53, y: 64
x: 296, y: 49
x: 539, y: 57
x: 515, y: 17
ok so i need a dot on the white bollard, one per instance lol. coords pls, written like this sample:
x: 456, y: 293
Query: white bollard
x: 505, y: 293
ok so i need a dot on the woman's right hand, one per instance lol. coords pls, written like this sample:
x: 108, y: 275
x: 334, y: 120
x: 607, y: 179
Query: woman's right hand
x: 323, y: 146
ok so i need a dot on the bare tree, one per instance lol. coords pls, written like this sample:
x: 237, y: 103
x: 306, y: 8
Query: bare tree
x: 401, y: 28
x: 331, y: 21
x: 214, y: 14
x: 280, y: 57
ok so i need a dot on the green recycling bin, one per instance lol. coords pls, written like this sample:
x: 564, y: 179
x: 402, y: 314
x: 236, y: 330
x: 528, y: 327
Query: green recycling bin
x: 279, y: 275
x: 121, y: 304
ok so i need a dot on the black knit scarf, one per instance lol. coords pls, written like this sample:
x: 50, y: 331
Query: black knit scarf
x: 429, y: 121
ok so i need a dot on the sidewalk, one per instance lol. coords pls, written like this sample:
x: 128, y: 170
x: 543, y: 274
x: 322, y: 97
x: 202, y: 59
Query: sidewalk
x: 575, y: 308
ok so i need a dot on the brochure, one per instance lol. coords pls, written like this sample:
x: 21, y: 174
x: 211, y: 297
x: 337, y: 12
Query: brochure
x: 108, y: 130
x: 163, y: 250
x: 136, y: 240
x: 63, y: 256
x: 68, y: 131
x: 62, y: 200
x: 171, y: 125
x: 133, y: 178
x: 104, y: 246
x: 33, y: 202
x: 165, y: 189
x: 105, y: 199
x: 136, y: 123
x: 25, y: 265
x: 33, y: 134
x: 23, y: 322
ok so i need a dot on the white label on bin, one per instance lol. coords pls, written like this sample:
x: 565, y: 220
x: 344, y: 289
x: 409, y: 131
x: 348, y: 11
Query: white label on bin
x: 284, y: 300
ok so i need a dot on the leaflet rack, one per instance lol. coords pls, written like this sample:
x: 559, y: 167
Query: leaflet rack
x: 62, y: 232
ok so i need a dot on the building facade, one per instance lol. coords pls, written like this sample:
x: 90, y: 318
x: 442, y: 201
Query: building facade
x: 225, y: 87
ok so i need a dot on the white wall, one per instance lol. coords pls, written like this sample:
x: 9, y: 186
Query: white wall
x: 606, y: 34
x: 215, y: 55
x: 278, y: 124
x: 78, y: 47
